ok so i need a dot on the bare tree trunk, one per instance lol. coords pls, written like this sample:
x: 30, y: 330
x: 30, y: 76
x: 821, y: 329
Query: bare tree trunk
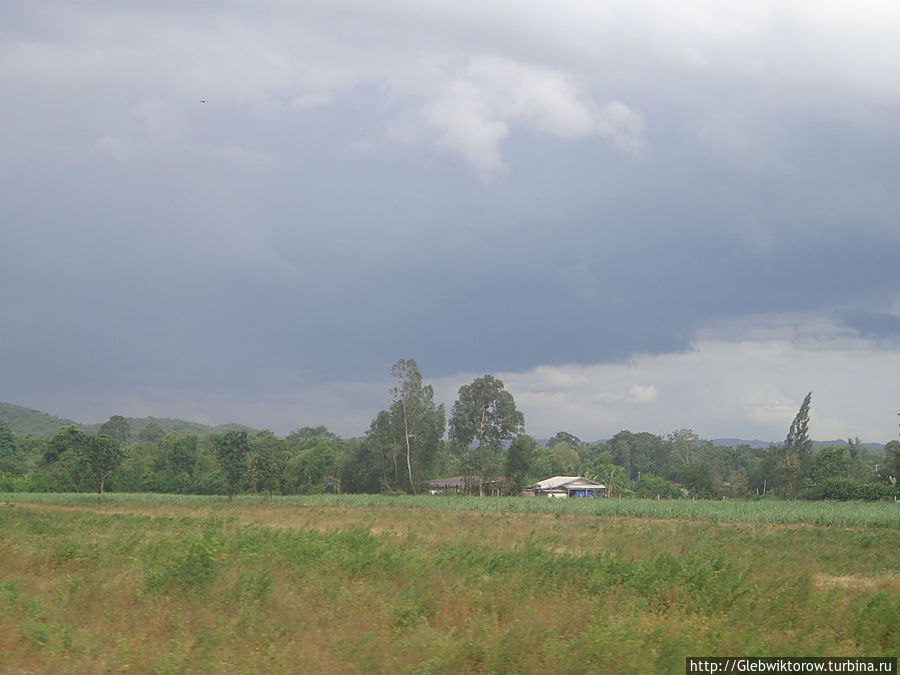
x: 408, y: 450
x: 103, y: 478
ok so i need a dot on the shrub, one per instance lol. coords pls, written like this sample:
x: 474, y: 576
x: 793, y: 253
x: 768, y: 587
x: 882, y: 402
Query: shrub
x: 851, y: 489
x: 652, y: 486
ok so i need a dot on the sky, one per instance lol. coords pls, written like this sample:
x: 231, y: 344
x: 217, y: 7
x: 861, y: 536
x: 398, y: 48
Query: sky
x: 638, y: 215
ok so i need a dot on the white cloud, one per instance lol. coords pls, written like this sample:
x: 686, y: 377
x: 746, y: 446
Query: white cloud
x: 727, y: 386
x: 475, y: 112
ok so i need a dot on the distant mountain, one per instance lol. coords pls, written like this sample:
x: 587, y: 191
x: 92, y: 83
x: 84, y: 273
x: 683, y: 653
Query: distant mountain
x: 817, y: 445
x: 169, y: 425
x: 734, y: 442
x: 28, y: 422
x: 877, y: 447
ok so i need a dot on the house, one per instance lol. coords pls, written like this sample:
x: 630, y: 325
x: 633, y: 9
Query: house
x: 568, y: 486
x: 457, y: 485
x: 462, y: 485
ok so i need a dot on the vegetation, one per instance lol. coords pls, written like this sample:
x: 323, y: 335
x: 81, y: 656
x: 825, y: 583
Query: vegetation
x: 485, y: 413
x: 404, y: 449
x: 27, y: 422
x: 410, y: 432
x: 338, y: 583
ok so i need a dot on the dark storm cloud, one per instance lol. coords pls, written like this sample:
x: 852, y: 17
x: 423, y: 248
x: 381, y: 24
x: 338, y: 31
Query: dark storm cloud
x: 358, y: 189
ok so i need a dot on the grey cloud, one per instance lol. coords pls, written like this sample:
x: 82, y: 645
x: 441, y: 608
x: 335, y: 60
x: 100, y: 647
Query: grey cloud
x: 320, y: 217
x: 874, y: 324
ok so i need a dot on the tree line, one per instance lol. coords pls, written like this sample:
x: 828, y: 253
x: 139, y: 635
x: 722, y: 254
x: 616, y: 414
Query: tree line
x: 413, y: 440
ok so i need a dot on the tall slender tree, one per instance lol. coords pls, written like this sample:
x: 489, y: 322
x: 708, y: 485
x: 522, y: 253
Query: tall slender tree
x: 416, y: 418
x: 795, y: 454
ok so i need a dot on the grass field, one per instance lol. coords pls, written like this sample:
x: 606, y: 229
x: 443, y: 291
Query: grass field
x: 165, y: 584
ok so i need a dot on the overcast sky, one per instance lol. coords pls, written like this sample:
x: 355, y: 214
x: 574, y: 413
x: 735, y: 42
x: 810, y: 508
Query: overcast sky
x: 639, y: 215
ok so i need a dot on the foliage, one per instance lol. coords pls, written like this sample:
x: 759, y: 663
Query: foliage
x: 891, y: 467
x: 519, y: 459
x: 564, y: 460
x: 830, y: 462
x: 116, y: 427
x: 614, y: 478
x: 564, y: 437
x: 650, y: 486
x: 268, y: 461
x: 9, y: 459
x: 698, y: 480
x: 103, y: 455
x: 794, y: 460
x: 232, y: 450
x: 27, y: 422
x: 485, y: 413
x: 152, y: 432
x: 306, y: 434
x: 417, y: 419
x: 845, y: 488
x: 403, y: 450
x: 309, y: 467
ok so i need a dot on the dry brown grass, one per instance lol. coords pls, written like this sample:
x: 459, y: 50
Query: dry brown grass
x: 455, y: 591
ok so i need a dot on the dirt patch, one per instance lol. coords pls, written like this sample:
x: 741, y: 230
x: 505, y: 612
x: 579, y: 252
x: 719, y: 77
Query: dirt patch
x: 847, y: 581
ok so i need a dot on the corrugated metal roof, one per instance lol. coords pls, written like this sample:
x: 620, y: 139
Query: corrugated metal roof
x: 570, y: 482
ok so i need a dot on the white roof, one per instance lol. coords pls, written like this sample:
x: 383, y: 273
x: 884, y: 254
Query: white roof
x: 569, y: 482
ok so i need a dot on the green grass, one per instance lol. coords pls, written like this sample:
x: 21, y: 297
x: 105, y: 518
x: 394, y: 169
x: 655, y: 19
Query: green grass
x: 842, y: 514
x: 163, y: 584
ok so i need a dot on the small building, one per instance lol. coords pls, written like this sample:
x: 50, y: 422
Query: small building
x: 455, y: 485
x: 568, y: 486
x: 465, y: 485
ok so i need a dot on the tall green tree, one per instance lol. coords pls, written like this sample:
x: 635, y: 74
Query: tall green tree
x: 698, y: 479
x: 104, y: 454
x: 384, y: 445
x: 9, y: 460
x: 304, y: 434
x: 831, y: 462
x: 268, y: 460
x: 891, y: 468
x: 519, y: 459
x: 308, y: 471
x: 152, y: 432
x: 232, y: 450
x: 180, y: 457
x: 685, y: 445
x: 65, y: 461
x: 564, y: 437
x: 485, y: 412
x: 795, y: 454
x: 565, y: 459
x: 116, y: 427
x: 362, y: 470
x: 416, y: 416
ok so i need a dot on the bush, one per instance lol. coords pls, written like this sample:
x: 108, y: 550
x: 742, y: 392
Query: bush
x: 851, y: 489
x: 652, y: 486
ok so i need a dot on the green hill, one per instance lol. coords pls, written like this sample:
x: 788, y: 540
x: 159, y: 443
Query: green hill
x: 28, y: 422
x: 169, y: 425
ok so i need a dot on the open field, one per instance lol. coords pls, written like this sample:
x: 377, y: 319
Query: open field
x: 147, y: 583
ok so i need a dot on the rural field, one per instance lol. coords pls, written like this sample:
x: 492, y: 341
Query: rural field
x: 169, y: 584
